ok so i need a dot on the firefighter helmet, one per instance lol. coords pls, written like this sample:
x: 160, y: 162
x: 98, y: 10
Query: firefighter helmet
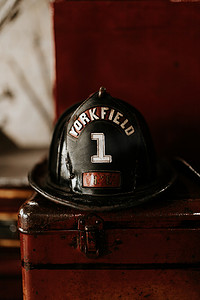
x: 101, y: 158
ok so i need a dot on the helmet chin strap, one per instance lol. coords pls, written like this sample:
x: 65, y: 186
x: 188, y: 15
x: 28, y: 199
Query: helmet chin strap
x: 183, y: 165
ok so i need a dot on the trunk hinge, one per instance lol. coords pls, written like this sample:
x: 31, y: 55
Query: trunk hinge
x: 91, y: 237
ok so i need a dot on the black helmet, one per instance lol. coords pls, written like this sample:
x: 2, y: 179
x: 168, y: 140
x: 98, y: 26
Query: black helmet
x: 101, y: 158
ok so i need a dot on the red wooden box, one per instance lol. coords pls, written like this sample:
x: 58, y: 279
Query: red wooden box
x: 151, y: 251
x: 145, y: 52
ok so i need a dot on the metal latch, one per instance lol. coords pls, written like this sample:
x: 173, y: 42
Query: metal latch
x: 91, y: 237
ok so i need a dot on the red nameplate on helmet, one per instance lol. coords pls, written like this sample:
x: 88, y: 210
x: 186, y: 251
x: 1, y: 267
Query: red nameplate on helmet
x: 101, y: 179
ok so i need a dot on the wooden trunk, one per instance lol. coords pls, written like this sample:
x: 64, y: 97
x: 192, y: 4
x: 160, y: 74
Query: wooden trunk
x: 151, y: 251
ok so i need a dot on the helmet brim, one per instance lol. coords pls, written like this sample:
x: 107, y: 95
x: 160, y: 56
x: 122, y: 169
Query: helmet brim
x: 40, y: 182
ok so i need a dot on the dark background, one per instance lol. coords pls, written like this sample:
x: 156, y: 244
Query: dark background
x: 144, y: 52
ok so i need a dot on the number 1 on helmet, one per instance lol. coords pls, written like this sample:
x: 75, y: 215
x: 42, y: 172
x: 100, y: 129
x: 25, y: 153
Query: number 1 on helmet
x: 101, y: 157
